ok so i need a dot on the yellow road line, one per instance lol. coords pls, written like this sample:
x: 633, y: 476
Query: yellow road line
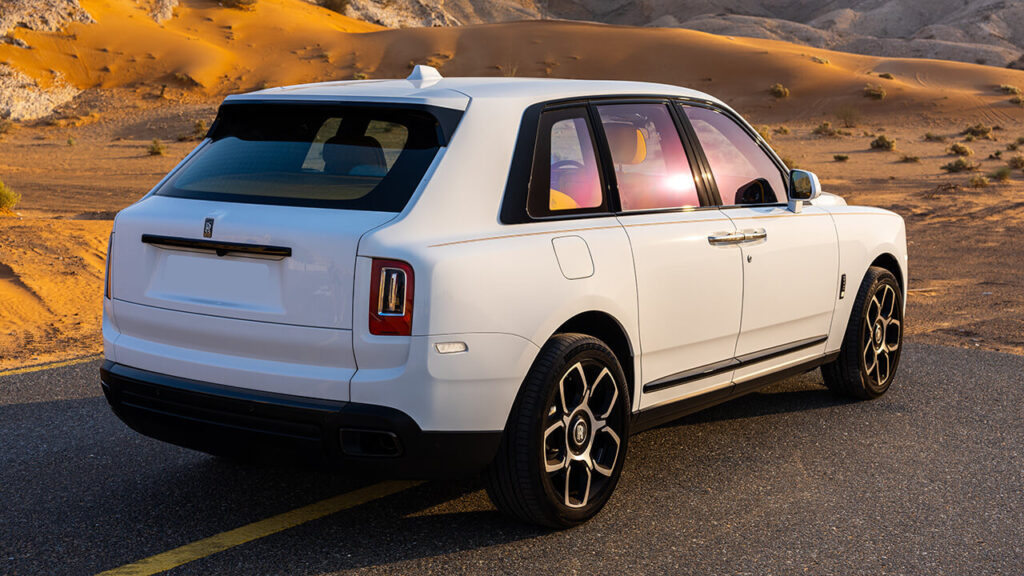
x: 225, y: 540
x: 49, y: 365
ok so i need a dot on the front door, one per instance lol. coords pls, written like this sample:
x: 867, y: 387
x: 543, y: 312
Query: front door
x: 790, y: 260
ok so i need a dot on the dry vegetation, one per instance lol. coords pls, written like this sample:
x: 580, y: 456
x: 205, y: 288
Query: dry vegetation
x: 779, y: 91
x: 8, y: 198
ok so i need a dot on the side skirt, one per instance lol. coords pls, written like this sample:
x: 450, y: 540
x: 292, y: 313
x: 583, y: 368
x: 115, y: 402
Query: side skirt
x: 647, y: 419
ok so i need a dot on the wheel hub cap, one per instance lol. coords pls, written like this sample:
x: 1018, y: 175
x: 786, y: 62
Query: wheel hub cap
x: 878, y: 334
x: 579, y: 433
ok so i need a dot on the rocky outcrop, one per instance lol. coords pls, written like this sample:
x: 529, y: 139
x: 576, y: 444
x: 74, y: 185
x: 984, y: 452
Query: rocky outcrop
x: 21, y: 97
x: 40, y: 14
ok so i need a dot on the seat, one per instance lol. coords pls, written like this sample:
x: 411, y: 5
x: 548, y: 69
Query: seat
x: 359, y: 155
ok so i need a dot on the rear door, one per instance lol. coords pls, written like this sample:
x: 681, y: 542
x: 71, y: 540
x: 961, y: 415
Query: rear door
x: 689, y: 288
x: 790, y: 260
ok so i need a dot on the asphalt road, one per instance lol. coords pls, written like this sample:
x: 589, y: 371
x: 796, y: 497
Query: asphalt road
x: 926, y: 480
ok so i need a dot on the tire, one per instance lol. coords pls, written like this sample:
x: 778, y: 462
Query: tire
x: 565, y: 442
x: 871, y: 347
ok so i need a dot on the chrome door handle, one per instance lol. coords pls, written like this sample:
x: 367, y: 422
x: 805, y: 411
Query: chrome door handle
x: 726, y: 238
x: 752, y: 235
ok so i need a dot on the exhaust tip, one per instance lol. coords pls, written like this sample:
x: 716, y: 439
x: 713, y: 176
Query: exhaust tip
x: 378, y: 443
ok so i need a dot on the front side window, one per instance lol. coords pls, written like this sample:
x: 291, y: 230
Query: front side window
x: 566, y: 177
x: 650, y: 163
x: 744, y: 173
x: 354, y: 158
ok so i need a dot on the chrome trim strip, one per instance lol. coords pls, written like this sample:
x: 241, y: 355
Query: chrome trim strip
x: 709, y: 370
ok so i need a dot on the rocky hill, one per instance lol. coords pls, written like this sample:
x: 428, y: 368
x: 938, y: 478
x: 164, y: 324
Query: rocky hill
x: 977, y: 31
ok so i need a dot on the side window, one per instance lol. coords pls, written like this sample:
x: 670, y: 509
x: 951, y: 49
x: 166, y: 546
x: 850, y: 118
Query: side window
x: 651, y: 167
x: 566, y: 178
x: 744, y: 173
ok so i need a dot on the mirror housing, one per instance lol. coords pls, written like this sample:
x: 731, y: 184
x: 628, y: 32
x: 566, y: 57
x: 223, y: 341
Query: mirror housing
x: 803, y: 186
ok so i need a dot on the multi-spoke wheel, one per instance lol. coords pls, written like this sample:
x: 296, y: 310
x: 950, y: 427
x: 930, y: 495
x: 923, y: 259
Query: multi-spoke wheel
x: 565, y: 443
x: 874, y: 338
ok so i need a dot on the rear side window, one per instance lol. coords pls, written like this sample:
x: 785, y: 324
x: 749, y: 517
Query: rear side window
x: 356, y: 158
x: 744, y: 173
x: 566, y: 178
x: 651, y: 167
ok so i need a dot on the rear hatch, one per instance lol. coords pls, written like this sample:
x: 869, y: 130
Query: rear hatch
x: 263, y: 222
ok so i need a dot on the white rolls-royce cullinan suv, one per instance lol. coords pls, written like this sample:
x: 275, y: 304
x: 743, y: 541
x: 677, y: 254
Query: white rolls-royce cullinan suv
x: 434, y: 277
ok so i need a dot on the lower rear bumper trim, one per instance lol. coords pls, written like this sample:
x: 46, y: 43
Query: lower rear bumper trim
x: 266, y: 426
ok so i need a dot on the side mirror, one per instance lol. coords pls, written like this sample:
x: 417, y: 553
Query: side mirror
x: 803, y: 185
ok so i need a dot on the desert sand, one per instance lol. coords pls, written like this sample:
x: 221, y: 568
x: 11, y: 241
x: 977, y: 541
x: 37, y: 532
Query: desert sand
x: 142, y: 80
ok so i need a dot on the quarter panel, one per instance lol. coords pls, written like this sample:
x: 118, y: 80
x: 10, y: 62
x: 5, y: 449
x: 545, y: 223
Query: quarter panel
x: 864, y: 234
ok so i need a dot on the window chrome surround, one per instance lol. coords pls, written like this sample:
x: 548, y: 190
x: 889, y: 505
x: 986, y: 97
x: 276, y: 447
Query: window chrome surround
x: 513, y: 208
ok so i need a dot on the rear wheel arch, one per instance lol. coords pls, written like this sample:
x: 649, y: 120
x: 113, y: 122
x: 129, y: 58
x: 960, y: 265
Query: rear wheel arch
x: 607, y: 329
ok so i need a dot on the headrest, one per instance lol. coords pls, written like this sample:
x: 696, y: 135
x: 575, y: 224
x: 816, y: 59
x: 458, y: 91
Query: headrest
x: 626, y: 142
x: 343, y: 153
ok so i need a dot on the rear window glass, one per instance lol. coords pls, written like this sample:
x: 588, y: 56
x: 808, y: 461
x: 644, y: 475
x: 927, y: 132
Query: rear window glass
x: 356, y: 157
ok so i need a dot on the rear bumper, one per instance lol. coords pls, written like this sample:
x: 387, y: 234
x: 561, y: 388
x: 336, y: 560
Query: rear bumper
x: 268, y: 426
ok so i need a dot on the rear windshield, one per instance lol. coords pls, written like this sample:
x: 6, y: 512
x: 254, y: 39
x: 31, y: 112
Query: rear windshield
x: 355, y: 157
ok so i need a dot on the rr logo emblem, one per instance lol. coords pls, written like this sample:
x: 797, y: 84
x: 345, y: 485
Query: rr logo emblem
x: 208, y: 228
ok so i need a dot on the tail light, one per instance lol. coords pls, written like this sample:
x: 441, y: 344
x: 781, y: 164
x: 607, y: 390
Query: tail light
x: 391, y: 290
x: 106, y: 279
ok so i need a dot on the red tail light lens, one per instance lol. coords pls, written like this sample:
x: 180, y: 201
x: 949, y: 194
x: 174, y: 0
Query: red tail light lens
x: 391, y: 291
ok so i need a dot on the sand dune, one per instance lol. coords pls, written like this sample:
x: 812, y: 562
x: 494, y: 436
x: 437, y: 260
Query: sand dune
x: 962, y: 30
x: 208, y: 50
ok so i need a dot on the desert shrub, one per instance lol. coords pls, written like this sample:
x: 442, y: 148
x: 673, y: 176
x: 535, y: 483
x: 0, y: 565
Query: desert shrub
x: 887, y: 76
x: 765, y: 132
x: 781, y: 130
x: 874, y: 91
x: 1018, y: 100
x: 5, y: 126
x: 156, y: 148
x: 1002, y: 175
x: 789, y: 162
x: 978, y: 131
x: 848, y: 115
x: 1017, y: 162
x: 959, y: 149
x: 840, y: 157
x: 883, y: 142
x: 825, y: 129
x: 8, y: 198
x: 908, y: 159
x: 929, y: 137
x: 978, y: 181
x: 819, y: 59
x: 240, y: 4
x: 1020, y: 141
x: 360, y: 76
x: 338, y: 6
x: 1012, y: 146
x: 199, y: 130
x: 960, y: 165
x: 779, y: 91
x: 969, y: 138
x: 1009, y: 89
x: 998, y: 154
x: 72, y: 141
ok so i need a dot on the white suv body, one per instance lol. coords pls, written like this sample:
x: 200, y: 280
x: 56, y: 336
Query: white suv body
x: 307, y: 274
